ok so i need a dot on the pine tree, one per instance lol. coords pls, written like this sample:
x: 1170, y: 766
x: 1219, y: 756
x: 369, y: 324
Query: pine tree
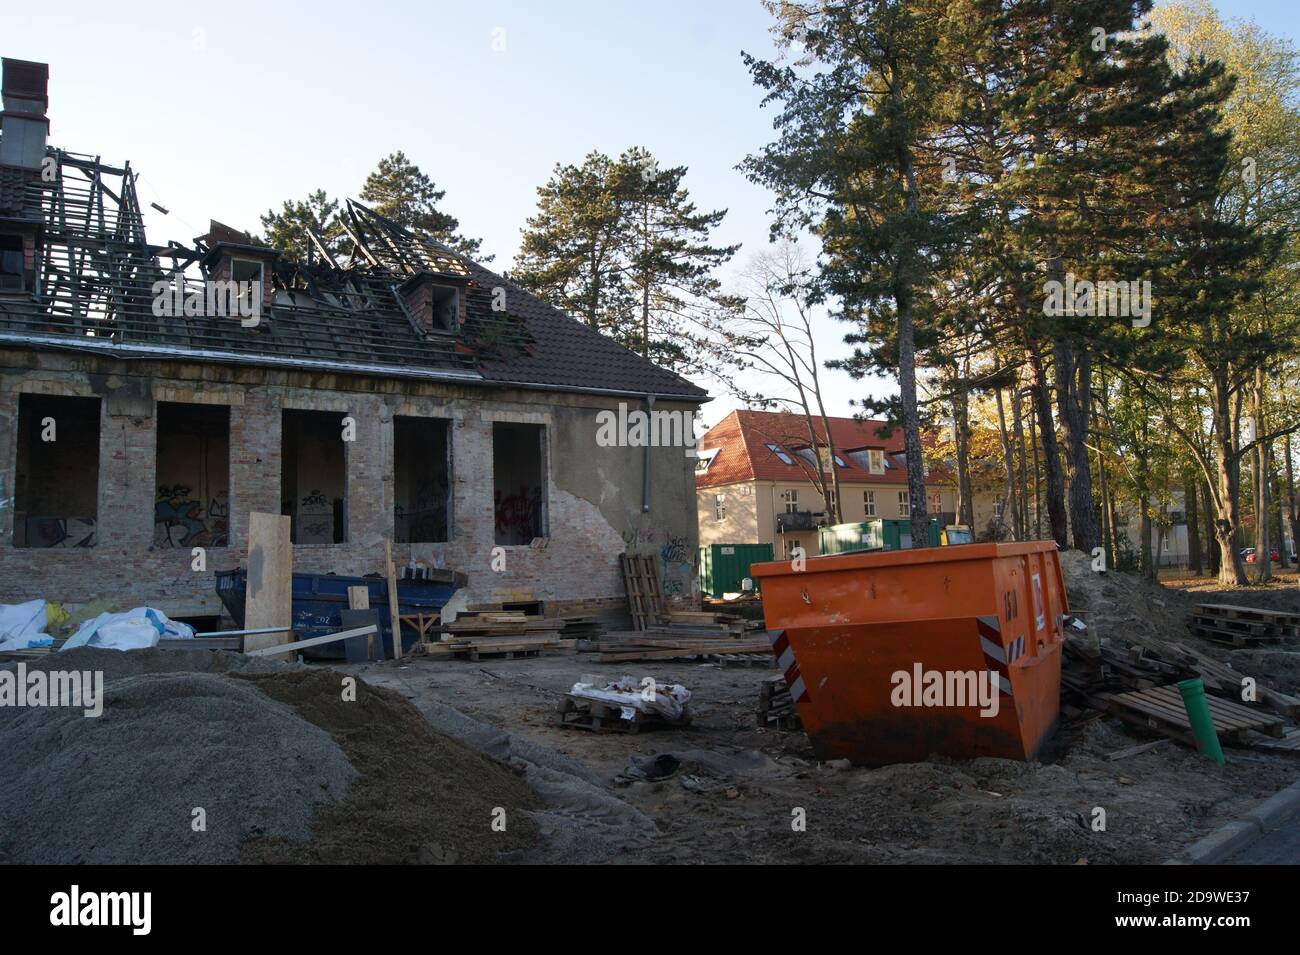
x: 573, y: 250
x: 400, y: 191
x: 850, y: 164
x: 670, y: 264
x: 620, y: 244
x: 287, y: 229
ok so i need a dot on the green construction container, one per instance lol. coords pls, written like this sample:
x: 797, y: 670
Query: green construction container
x: 724, y: 566
x: 898, y: 534
x: 847, y: 538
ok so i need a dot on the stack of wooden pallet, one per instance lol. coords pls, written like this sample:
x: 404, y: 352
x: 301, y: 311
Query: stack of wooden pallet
x: 712, y: 648
x: 1242, y: 626
x: 509, y: 633
x: 582, y: 627
x: 776, y: 706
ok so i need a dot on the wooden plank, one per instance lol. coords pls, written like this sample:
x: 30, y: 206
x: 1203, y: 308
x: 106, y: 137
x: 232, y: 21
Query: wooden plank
x: 269, y: 601
x: 312, y: 642
x: 359, y: 599
x: 392, y: 599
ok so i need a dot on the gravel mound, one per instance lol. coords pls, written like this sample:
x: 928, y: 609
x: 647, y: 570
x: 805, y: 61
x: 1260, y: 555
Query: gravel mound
x: 123, y: 787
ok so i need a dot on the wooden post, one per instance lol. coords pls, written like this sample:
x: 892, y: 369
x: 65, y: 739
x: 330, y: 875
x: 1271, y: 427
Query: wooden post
x: 391, y: 573
x: 359, y: 599
x: 269, y: 600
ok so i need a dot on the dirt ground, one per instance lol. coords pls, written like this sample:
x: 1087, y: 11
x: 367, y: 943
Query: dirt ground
x: 739, y: 787
x: 419, y: 796
x: 734, y: 796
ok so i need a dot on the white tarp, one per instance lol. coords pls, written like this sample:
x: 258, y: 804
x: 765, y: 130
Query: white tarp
x: 133, y: 630
x: 23, y: 625
x: 665, y: 700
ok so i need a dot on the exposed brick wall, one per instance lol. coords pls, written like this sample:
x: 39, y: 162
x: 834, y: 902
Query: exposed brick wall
x: 593, y: 494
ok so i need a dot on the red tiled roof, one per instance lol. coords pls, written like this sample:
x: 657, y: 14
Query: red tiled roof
x: 743, y: 436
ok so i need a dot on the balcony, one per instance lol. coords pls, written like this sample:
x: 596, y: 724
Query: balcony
x: 799, y: 521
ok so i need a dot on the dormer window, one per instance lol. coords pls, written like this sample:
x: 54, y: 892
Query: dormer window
x: 445, y: 304
x: 876, y: 458
x: 244, y: 272
x: 232, y: 263
x: 433, y: 301
x: 13, y: 277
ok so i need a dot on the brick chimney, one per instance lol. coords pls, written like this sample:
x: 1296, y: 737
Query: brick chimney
x: 23, y: 123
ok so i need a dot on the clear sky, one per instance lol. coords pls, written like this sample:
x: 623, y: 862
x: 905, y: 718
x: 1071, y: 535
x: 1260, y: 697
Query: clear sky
x: 227, y: 109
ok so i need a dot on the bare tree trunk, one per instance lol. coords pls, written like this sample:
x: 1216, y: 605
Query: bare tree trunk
x: 1107, y: 515
x: 1191, y: 513
x: 1038, y: 500
x: 1018, y: 424
x: 961, y: 437
x: 1008, y: 464
x: 907, y: 366
x: 1263, y: 561
x: 1074, y: 405
x: 1053, y: 476
x: 1212, y: 553
x: 1292, y: 516
x: 1232, y: 571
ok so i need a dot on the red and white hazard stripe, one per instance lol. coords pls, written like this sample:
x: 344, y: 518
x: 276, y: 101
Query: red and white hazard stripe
x: 997, y: 656
x: 785, y: 660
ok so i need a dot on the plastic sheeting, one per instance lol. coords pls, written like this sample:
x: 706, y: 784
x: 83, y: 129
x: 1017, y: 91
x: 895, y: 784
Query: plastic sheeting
x: 134, y: 630
x: 665, y: 700
x: 23, y: 625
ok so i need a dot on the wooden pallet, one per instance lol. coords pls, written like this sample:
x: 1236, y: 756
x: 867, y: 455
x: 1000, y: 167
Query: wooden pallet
x: 1232, y: 638
x: 1233, y: 612
x: 714, y: 650
x: 1160, y: 708
x: 600, y: 717
x: 1289, y: 743
x: 1234, y: 624
x: 645, y: 599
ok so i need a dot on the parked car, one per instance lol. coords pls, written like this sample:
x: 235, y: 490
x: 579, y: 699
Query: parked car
x: 1249, y: 554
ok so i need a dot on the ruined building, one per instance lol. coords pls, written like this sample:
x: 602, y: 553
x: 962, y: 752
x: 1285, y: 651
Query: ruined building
x: 399, y: 391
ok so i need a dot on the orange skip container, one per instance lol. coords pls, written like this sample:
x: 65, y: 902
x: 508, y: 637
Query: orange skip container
x: 856, y: 633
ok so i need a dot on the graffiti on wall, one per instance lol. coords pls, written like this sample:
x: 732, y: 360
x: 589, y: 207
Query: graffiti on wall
x: 677, y: 564
x: 181, y: 519
x: 519, y: 515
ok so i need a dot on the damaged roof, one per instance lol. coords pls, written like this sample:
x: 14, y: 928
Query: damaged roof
x: 96, y: 277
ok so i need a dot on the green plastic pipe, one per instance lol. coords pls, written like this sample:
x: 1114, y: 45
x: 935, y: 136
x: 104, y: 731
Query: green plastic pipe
x: 1198, y: 712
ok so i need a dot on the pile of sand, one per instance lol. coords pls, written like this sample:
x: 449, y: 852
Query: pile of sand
x: 284, y: 766
x: 169, y: 751
x: 1117, y: 605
